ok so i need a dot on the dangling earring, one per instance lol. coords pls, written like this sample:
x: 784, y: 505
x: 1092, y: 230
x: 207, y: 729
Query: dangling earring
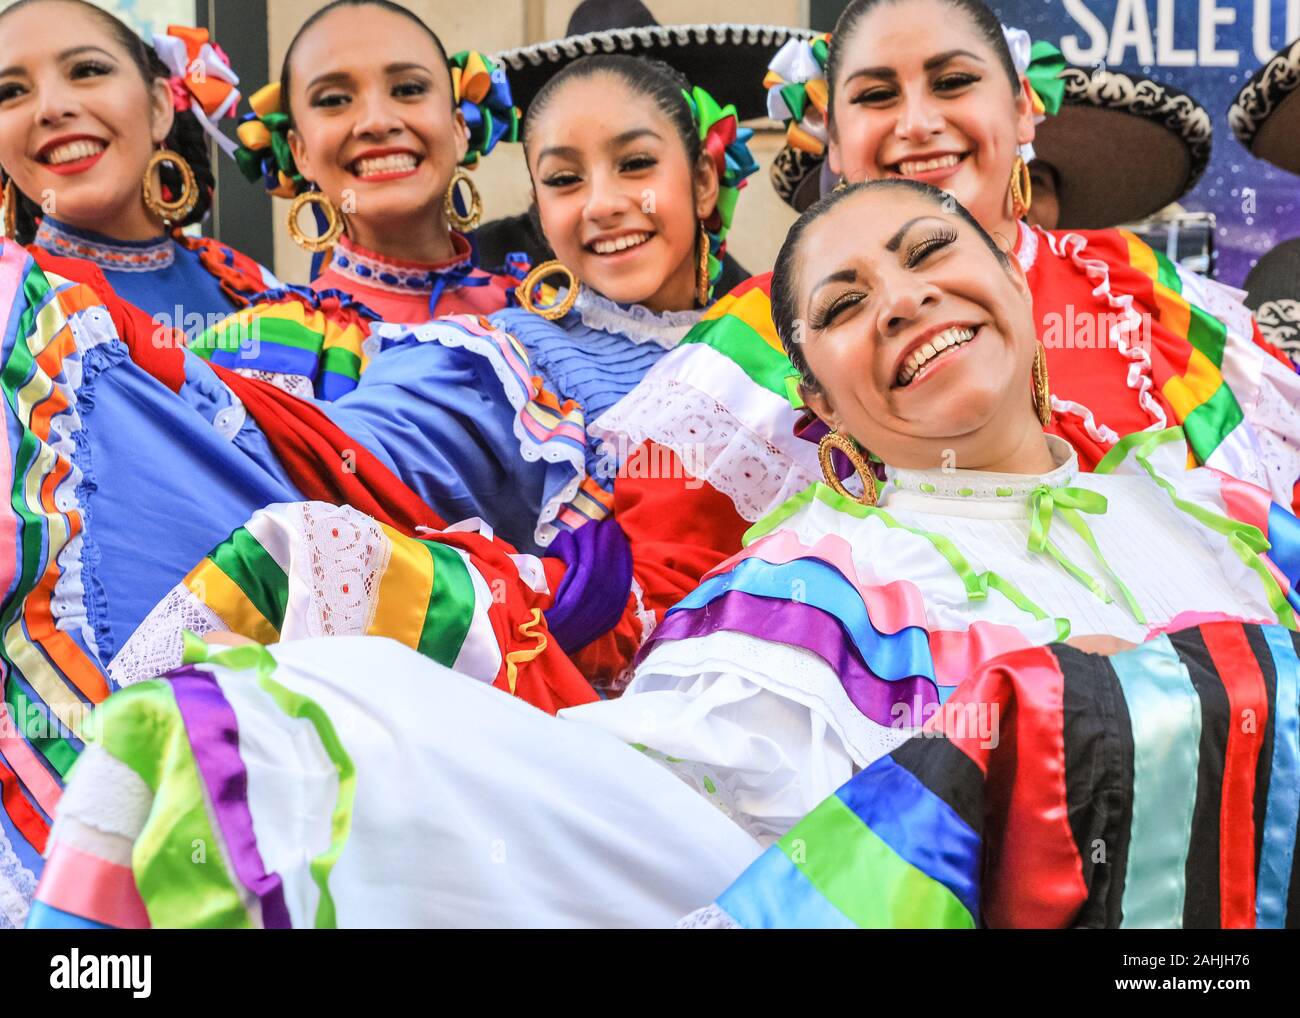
x: 524, y: 291
x: 1042, y: 393
x: 1022, y: 189
x: 703, y: 288
x: 11, y: 209
x: 334, y: 222
x: 169, y: 211
x: 833, y: 440
x: 467, y: 222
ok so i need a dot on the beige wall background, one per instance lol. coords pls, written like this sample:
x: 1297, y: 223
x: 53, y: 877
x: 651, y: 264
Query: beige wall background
x: 762, y: 219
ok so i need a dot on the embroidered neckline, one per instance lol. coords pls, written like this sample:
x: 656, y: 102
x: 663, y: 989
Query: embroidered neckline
x: 117, y: 255
x: 369, y: 268
x: 635, y: 322
x: 981, y: 486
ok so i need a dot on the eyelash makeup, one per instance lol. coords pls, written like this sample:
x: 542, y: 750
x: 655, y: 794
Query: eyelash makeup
x: 825, y: 315
x: 925, y: 247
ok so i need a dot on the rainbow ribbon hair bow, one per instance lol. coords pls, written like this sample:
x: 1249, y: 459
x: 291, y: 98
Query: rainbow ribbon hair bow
x: 263, y: 153
x: 202, y: 79
x: 796, y: 86
x: 1042, y: 64
x: 482, y: 93
x: 727, y: 144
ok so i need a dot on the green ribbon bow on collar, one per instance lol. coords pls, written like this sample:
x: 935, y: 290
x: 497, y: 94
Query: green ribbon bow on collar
x: 1046, y: 64
x: 1046, y: 502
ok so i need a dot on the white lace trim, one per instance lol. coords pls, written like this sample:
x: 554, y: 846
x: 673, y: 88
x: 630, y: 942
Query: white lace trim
x: 1027, y: 253
x: 711, y: 917
x: 644, y: 616
x: 106, y: 795
x: 155, y: 646
x: 1071, y: 246
x: 981, y: 486
x: 712, y: 444
x: 531, y: 450
x: 636, y: 322
x: 345, y: 555
x: 294, y: 385
x: 17, y: 887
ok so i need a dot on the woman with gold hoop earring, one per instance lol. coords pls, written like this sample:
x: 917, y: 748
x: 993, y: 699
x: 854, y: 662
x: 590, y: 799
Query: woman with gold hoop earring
x: 128, y: 167
x: 390, y: 206
x: 849, y: 676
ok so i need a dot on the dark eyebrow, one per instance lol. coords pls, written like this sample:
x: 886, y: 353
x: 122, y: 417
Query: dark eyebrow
x: 633, y: 135
x: 935, y: 61
x: 561, y: 151
x: 842, y: 276
x: 67, y: 54
x: 336, y: 76
x: 897, y: 239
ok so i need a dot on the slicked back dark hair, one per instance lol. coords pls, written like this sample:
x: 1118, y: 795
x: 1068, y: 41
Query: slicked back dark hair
x: 785, y: 276
x: 386, y: 5
x: 187, y: 137
x: 985, y: 21
x: 654, y: 79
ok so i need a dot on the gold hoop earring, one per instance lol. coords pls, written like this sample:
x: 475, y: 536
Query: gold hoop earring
x: 1042, y: 392
x: 169, y: 211
x: 833, y: 440
x: 458, y: 222
x: 11, y: 209
x: 524, y: 291
x: 1022, y: 189
x: 334, y: 221
x: 702, y: 285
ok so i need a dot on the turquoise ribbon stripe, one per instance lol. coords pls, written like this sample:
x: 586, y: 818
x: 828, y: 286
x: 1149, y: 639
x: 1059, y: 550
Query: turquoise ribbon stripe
x: 1165, y: 713
x: 1283, y: 806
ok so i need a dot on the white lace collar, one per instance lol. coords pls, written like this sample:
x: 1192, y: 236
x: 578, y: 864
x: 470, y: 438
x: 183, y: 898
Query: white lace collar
x: 959, y: 491
x: 636, y: 322
x: 1027, y: 249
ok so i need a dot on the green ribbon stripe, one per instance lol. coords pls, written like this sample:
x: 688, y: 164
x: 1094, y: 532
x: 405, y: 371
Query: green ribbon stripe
x: 142, y: 727
x: 736, y: 340
x: 1247, y: 542
x: 451, y: 606
x: 858, y: 873
x: 254, y: 657
x: 251, y: 568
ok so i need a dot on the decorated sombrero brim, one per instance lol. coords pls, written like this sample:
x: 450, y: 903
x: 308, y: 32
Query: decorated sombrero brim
x: 727, y: 60
x: 1265, y: 116
x: 1165, y: 136
x: 1273, y: 293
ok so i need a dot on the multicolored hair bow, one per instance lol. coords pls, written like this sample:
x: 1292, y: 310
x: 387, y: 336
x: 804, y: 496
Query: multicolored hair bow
x: 263, y: 153
x: 1042, y: 64
x: 727, y: 144
x: 482, y: 92
x: 202, y: 80
x: 795, y: 83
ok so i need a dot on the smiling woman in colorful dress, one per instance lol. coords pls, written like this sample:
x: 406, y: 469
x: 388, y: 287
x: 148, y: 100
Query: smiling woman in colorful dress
x: 104, y: 145
x: 935, y: 91
x: 852, y: 616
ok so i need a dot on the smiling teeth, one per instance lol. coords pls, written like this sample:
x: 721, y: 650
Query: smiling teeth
x: 947, y: 340
x: 385, y: 164
x: 910, y: 166
x: 74, y: 150
x: 619, y: 244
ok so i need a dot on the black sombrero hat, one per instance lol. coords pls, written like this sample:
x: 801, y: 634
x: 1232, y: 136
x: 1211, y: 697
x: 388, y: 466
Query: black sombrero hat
x: 727, y: 60
x: 1123, y: 146
x: 1273, y: 293
x: 1161, y: 135
x: 1265, y: 116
